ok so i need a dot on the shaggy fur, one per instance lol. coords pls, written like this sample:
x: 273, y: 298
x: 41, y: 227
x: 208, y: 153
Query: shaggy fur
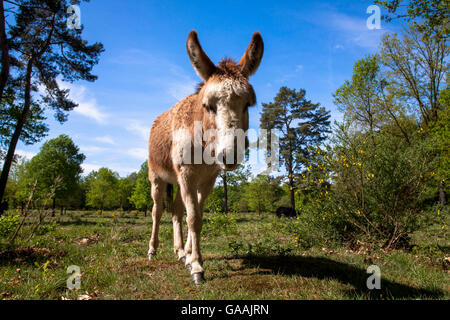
x: 220, y: 102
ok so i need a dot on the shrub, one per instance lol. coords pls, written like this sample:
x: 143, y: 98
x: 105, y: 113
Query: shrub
x: 46, y: 228
x: 8, y: 223
x: 369, y: 186
x: 219, y: 223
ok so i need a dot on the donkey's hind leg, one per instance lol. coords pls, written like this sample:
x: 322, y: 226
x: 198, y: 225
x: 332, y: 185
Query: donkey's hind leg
x: 177, y: 220
x: 158, y: 189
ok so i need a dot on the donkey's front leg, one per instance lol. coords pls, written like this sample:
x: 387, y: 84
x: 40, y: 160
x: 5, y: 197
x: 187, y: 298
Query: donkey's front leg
x: 177, y: 219
x: 194, y: 223
x: 157, y: 196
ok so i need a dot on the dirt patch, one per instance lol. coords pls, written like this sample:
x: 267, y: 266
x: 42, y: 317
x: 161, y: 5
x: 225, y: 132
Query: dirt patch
x: 29, y: 254
x: 32, y: 255
x: 88, y: 240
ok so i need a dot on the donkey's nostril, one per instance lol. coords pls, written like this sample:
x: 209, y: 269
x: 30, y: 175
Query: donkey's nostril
x: 228, y: 159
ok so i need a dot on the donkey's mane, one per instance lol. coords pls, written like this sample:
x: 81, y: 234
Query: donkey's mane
x: 226, y: 67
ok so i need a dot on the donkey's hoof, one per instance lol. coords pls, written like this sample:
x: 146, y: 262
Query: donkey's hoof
x: 151, y: 255
x: 188, y: 267
x: 182, y: 260
x: 198, y: 277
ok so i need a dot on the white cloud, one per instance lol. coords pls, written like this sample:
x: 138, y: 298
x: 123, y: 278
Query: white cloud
x: 124, y: 171
x: 92, y: 149
x: 105, y: 139
x: 136, y: 127
x: 89, y: 167
x: 87, y: 105
x: 138, y: 153
x: 354, y: 30
x: 25, y: 154
x: 181, y: 89
x: 348, y: 30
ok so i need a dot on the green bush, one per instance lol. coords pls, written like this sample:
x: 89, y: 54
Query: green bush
x: 369, y: 186
x: 219, y: 223
x: 308, y: 229
x: 8, y: 223
x: 46, y: 228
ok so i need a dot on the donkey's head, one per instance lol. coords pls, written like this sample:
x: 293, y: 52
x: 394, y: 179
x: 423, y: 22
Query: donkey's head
x: 226, y: 94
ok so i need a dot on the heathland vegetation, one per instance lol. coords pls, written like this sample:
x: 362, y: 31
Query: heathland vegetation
x: 371, y: 189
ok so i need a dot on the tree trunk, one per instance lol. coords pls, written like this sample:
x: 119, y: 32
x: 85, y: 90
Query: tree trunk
x: 4, y: 74
x: 225, y: 192
x: 291, y: 190
x: 17, y: 132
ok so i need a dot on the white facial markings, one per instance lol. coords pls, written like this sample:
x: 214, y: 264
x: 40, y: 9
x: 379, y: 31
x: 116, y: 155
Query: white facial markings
x: 229, y: 98
x: 223, y: 144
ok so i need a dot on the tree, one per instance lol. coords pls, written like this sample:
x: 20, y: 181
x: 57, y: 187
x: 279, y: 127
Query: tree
x: 14, y: 194
x: 4, y: 48
x: 358, y: 98
x: 141, y: 195
x: 44, y: 49
x: 416, y: 66
x: 430, y: 15
x: 102, y: 193
x: 440, y: 132
x: 235, y: 179
x: 124, y: 190
x: 301, y: 123
x: 260, y: 194
x: 34, y: 128
x: 58, y: 157
x: 368, y: 101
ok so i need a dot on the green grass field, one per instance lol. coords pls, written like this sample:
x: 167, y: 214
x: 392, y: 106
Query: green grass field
x: 246, y: 259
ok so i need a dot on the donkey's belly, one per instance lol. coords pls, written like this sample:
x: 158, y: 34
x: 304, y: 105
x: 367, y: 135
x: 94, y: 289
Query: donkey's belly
x: 168, y: 176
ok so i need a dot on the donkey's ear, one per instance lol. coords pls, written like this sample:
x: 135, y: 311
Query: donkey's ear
x: 200, y: 61
x: 249, y: 62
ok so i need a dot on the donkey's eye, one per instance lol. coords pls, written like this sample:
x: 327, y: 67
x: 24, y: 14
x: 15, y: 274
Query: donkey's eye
x: 210, y: 108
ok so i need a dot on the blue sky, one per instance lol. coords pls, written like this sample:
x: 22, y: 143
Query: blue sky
x: 145, y: 69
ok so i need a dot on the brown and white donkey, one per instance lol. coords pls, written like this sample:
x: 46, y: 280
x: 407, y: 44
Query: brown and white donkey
x: 205, y: 124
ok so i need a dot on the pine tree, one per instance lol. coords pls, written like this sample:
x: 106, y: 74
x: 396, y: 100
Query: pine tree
x: 301, y: 124
x: 44, y: 49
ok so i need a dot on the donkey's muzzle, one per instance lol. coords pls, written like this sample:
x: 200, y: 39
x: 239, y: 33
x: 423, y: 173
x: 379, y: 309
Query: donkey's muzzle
x: 230, y: 159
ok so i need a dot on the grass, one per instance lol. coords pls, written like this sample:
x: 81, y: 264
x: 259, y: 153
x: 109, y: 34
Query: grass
x: 246, y: 259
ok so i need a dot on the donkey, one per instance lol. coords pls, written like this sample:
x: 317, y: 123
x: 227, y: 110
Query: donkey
x: 221, y: 103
